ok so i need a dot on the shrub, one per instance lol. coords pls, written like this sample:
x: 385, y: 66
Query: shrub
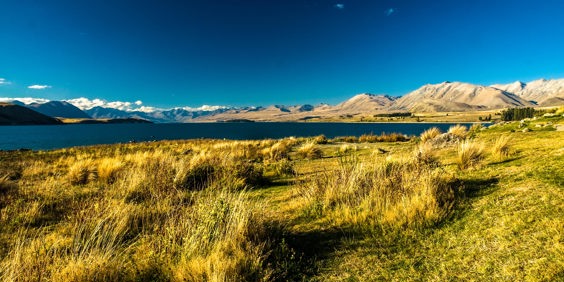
x: 310, y: 151
x: 469, y: 154
x: 430, y: 134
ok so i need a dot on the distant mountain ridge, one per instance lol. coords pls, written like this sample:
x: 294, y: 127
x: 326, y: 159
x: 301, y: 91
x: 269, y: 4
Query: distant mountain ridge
x: 441, y: 97
x: 542, y: 92
x: 58, y: 109
x: 458, y: 96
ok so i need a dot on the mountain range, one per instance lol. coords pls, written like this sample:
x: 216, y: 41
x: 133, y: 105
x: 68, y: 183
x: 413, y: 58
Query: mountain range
x: 442, y: 97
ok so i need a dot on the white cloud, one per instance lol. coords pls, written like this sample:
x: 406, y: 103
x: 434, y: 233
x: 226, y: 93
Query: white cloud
x: 204, y: 108
x: 39, y: 87
x: 25, y: 100
x: 146, y: 109
x: 4, y: 81
x: 86, y: 104
x: 340, y: 6
x: 390, y: 11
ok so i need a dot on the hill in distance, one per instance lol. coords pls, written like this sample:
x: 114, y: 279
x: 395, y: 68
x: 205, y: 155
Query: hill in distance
x: 458, y: 96
x: 541, y: 92
x: 11, y: 114
x: 58, y: 109
x: 442, y: 97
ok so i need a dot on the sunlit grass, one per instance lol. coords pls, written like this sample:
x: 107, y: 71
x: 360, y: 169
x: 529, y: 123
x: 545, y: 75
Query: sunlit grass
x: 217, y: 210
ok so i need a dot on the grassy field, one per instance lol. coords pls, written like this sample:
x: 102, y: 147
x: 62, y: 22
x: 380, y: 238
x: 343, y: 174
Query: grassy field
x: 470, y: 204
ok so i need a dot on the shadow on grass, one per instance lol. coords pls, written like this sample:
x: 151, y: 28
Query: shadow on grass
x: 469, y: 191
x: 505, y: 161
x: 299, y: 256
x: 479, y: 187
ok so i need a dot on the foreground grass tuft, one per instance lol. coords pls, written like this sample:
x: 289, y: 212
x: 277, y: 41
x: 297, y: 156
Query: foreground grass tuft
x: 429, y: 134
x: 500, y: 148
x: 470, y: 154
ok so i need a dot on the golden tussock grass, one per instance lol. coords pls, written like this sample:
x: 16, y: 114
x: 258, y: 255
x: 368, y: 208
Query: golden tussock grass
x: 171, y: 213
x: 310, y: 151
x: 501, y: 148
x: 460, y: 131
x: 430, y: 134
x: 470, y: 154
x: 397, y: 193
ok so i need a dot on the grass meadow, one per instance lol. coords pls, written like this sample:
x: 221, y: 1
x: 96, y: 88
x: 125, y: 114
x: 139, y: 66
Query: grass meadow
x: 468, y: 204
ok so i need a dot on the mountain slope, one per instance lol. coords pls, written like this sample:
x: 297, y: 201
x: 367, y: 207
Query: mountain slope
x: 366, y: 103
x: 11, y: 114
x: 542, y: 91
x: 458, y: 96
x: 58, y: 109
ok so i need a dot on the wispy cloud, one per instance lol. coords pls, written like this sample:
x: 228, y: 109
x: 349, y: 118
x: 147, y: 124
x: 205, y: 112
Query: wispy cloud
x: 3, y: 81
x: 390, y: 11
x: 339, y: 6
x: 39, y: 87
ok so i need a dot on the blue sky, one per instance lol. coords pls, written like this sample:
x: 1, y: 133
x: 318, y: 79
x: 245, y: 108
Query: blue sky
x: 262, y: 52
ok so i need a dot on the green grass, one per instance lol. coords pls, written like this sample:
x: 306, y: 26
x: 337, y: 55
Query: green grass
x: 211, y: 210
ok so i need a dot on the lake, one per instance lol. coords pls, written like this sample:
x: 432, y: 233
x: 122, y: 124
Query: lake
x: 44, y: 137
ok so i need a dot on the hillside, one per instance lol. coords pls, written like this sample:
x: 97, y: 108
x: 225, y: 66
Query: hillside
x: 542, y: 92
x: 60, y: 109
x: 458, y: 96
x: 11, y: 114
x: 431, y: 98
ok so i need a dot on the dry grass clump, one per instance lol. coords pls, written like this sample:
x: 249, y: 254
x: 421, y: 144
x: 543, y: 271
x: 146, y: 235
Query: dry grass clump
x: 429, y: 134
x: 346, y: 139
x: 470, y: 154
x: 391, y: 137
x: 277, y: 151
x: 424, y: 154
x: 321, y: 139
x: 310, y: 151
x: 283, y: 168
x: 390, y: 193
x: 346, y: 149
x: 460, y: 131
x: 500, y: 148
x: 8, y: 189
x: 161, y: 215
x: 81, y: 172
x: 109, y: 169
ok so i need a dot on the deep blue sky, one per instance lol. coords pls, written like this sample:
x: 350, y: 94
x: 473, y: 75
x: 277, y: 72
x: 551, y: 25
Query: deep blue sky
x: 262, y: 52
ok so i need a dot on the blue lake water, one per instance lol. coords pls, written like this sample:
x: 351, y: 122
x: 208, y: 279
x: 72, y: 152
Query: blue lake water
x: 44, y: 137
